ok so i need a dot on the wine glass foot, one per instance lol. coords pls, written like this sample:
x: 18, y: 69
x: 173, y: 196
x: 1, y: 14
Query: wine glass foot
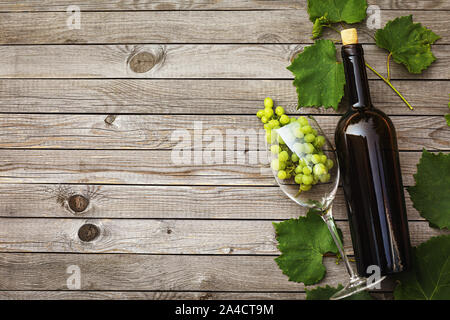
x: 356, y: 285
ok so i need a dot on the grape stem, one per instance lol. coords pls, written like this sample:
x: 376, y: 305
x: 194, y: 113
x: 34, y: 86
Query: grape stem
x: 332, y: 28
x: 387, y: 65
x: 388, y: 82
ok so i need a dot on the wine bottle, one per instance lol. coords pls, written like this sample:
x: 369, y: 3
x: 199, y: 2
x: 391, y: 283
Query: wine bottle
x: 367, y: 150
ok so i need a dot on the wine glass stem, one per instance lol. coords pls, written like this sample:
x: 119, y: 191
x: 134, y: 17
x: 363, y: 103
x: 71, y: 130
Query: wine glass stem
x: 327, y: 217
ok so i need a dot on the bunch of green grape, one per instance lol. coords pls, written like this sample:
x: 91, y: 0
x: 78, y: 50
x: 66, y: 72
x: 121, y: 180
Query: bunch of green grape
x: 306, y: 163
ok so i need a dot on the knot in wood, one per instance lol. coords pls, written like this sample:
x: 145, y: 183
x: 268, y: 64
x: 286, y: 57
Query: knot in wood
x: 88, y: 232
x: 142, y: 62
x: 78, y: 203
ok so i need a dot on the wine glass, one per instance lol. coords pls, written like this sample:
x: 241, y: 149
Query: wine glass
x: 319, y: 194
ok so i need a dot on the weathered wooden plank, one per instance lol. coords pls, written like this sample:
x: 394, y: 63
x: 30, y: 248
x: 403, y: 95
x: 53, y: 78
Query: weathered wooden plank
x: 28, y: 271
x: 171, y: 27
x: 119, y: 5
x: 108, y: 201
x: 208, y: 96
x: 144, y: 167
x: 160, y: 295
x: 150, y: 236
x: 181, y: 61
x: 157, y: 132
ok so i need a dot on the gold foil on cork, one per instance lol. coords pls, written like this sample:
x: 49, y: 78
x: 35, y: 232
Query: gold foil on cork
x: 349, y: 36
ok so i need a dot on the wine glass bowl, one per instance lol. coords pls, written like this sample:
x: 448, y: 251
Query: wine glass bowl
x: 322, y: 193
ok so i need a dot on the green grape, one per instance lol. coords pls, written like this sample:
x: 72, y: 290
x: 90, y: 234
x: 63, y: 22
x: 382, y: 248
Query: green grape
x: 279, y: 111
x: 329, y: 164
x: 274, y: 123
x: 298, y: 179
x: 309, y: 137
x: 284, y: 119
x: 302, y: 162
x: 260, y: 113
x: 275, y: 164
x: 275, y: 149
x: 283, y: 156
x: 294, y: 157
x: 308, y: 158
x: 307, y: 171
x: 299, y: 169
x: 319, y: 141
x: 268, y: 112
x: 268, y: 102
x: 315, y: 158
x: 298, y: 132
x: 298, y: 148
x: 280, y: 139
x: 307, y: 179
x: 306, y: 129
x: 288, y: 175
x: 308, y: 147
x: 315, y: 180
x: 264, y: 119
x: 282, y: 174
x: 314, y: 132
x: 319, y: 169
x: 267, y: 126
x: 305, y: 187
x: 325, y: 177
x: 323, y: 158
x: 269, y: 136
x: 303, y: 121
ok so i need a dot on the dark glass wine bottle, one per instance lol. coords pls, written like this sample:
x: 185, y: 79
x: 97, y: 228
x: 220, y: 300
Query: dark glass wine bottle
x: 368, y: 155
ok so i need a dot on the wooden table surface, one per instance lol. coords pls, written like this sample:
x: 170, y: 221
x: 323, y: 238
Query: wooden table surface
x: 86, y: 124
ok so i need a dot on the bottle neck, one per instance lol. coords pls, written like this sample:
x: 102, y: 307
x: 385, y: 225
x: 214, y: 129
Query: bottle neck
x: 357, y: 85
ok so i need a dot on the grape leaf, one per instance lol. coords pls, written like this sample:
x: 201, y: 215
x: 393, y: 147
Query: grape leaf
x: 429, y: 279
x: 302, y: 243
x: 408, y: 42
x: 325, y: 293
x: 431, y: 194
x: 349, y: 11
x: 319, y: 77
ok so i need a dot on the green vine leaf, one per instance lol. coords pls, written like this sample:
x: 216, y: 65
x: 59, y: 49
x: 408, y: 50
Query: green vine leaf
x: 302, y: 243
x: 409, y: 43
x: 431, y: 194
x: 319, y: 77
x: 429, y: 279
x: 325, y: 293
x: 349, y: 11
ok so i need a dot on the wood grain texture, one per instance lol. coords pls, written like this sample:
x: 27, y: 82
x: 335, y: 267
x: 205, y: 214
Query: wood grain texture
x: 148, y: 96
x: 187, y: 27
x: 183, y: 61
x: 68, y: 95
x: 160, y: 132
x: 160, y: 295
x: 143, y: 167
x: 150, y: 236
x: 120, y: 5
x: 29, y: 271
x: 161, y: 202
